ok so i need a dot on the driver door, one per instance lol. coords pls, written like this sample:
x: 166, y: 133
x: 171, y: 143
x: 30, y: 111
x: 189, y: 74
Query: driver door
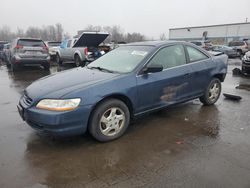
x: 156, y: 90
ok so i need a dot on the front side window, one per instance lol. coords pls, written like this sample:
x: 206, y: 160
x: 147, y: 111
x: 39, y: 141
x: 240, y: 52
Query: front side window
x: 168, y: 57
x: 195, y: 54
x: 68, y: 44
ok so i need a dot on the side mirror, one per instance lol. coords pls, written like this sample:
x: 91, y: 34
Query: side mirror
x: 152, y: 69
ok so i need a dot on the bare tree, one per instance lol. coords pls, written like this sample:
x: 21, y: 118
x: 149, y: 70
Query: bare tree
x: 51, y: 32
x: 5, y: 33
x: 134, y: 37
x: 163, y: 36
x: 19, y: 33
x: 59, y: 32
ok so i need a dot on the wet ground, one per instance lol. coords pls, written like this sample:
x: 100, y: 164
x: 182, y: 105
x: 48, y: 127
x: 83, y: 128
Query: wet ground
x: 185, y: 146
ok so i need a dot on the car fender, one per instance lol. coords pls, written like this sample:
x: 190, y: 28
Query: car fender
x: 58, y: 52
x: 77, y: 52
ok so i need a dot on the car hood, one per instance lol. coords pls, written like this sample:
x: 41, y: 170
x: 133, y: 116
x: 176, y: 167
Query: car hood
x: 60, y: 84
x: 91, y: 39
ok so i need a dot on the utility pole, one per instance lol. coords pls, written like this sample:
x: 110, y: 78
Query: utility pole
x: 246, y: 20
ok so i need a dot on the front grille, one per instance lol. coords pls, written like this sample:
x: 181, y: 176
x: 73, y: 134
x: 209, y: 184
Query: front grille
x: 27, y: 100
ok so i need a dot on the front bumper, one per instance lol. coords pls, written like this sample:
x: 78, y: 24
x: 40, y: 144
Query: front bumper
x: 56, y: 123
x: 245, y: 66
x: 52, y: 53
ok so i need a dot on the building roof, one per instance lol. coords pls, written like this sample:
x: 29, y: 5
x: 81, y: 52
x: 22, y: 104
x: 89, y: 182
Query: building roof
x: 243, y: 23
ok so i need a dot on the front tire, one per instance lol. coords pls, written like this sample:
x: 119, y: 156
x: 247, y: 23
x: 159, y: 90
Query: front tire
x: 46, y: 66
x: 212, y: 92
x: 109, y: 120
x: 58, y: 60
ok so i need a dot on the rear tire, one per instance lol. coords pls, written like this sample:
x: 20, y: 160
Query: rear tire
x: 78, y: 61
x: 109, y: 120
x: 212, y: 92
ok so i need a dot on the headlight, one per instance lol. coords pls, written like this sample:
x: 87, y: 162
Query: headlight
x: 59, y: 104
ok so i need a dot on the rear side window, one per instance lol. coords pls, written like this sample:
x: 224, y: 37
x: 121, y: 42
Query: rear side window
x: 195, y: 54
x: 168, y: 57
x: 31, y: 43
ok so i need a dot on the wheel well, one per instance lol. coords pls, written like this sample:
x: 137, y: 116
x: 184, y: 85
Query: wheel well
x: 221, y: 77
x: 120, y: 97
x: 76, y: 55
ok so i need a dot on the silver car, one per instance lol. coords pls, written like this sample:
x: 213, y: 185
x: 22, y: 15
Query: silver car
x: 53, y: 47
x: 27, y: 52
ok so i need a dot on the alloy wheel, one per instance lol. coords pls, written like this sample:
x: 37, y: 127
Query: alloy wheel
x: 112, y: 121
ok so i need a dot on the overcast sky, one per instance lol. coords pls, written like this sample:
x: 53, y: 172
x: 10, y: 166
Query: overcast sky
x: 149, y: 17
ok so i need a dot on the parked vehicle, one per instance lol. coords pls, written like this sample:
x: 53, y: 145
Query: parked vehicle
x: 2, y: 43
x: 230, y: 52
x: 240, y: 46
x: 82, y: 50
x: 53, y: 48
x: 6, y: 53
x: 26, y: 52
x: 246, y: 63
x: 203, y: 44
x: 129, y: 81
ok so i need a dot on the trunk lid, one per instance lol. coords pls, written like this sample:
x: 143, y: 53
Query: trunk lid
x: 91, y: 39
x: 31, y: 48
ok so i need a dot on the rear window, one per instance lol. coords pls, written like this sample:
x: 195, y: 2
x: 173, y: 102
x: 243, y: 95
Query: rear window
x: 54, y: 44
x: 236, y: 43
x: 31, y: 43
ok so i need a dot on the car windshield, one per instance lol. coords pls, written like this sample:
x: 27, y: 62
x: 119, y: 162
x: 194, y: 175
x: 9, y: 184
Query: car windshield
x: 31, y: 43
x: 54, y: 44
x: 123, y: 59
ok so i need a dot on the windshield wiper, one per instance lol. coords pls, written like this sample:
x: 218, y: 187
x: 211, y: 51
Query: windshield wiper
x: 101, y: 69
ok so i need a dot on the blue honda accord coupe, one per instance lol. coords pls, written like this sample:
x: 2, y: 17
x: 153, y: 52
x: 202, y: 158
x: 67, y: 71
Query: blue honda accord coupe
x: 131, y: 80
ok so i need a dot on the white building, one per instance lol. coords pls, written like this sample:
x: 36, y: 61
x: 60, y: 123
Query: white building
x: 216, y: 33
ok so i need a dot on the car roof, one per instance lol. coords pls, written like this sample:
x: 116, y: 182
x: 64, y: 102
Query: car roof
x: 29, y: 39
